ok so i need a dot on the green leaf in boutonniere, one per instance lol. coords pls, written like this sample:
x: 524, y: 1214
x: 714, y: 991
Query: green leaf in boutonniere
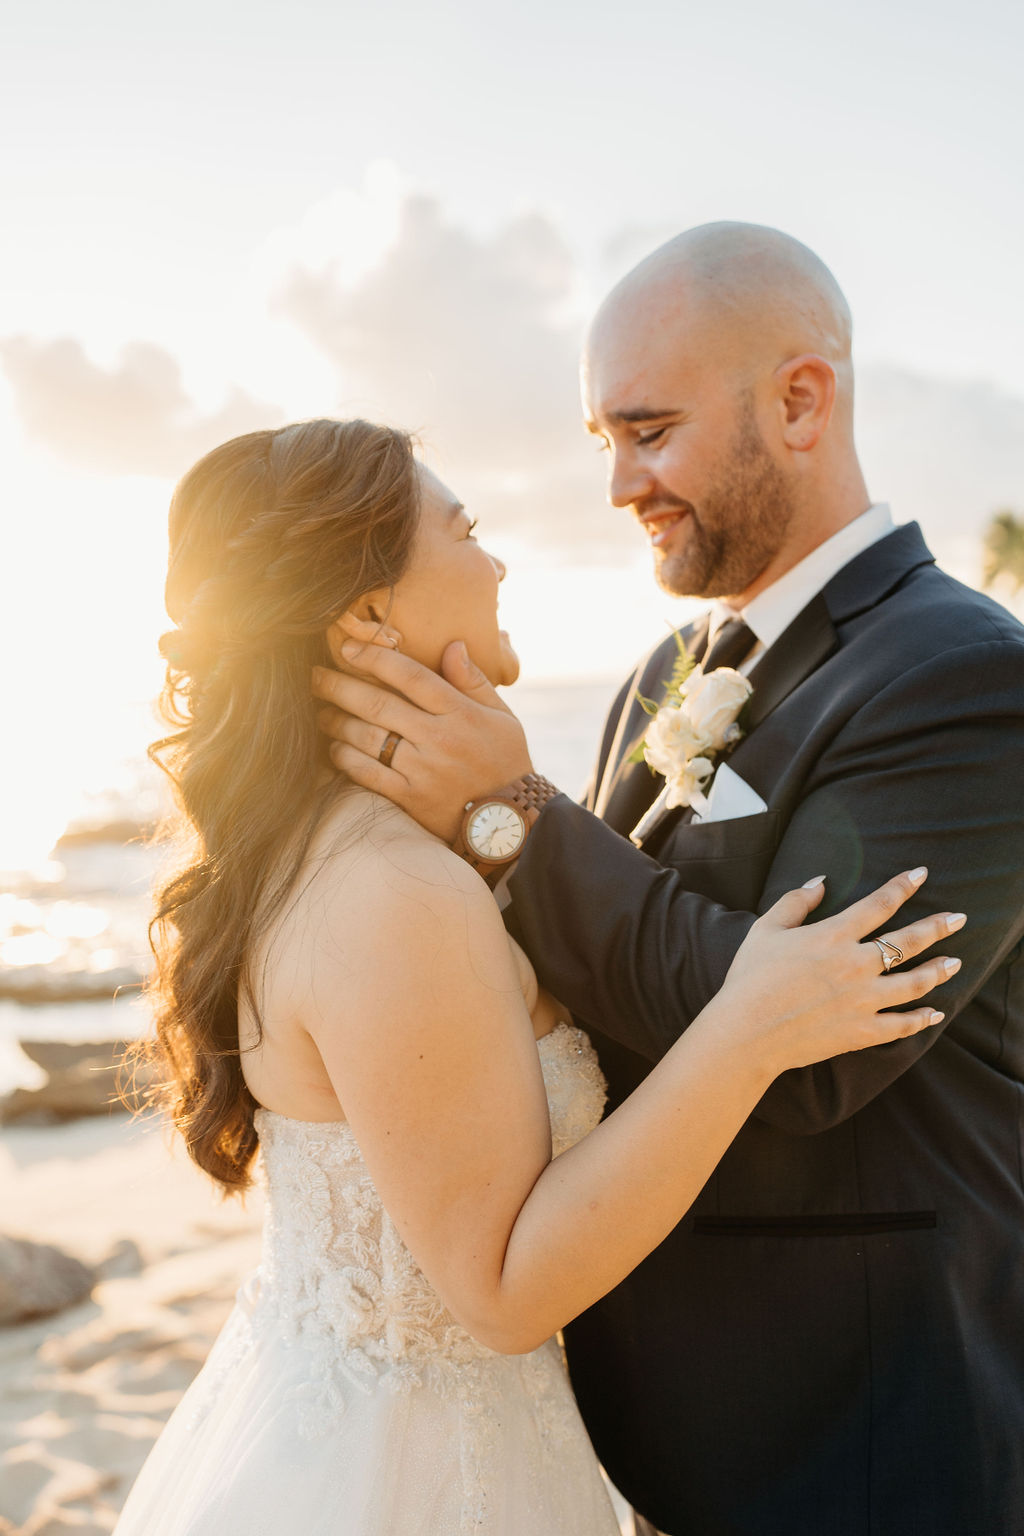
x: 651, y: 708
x: 683, y: 665
x: 681, y: 669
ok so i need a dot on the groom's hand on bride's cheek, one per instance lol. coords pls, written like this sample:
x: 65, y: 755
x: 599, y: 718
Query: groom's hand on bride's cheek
x: 429, y: 743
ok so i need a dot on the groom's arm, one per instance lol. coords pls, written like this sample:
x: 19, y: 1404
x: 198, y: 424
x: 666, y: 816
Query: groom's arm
x: 615, y: 935
x: 930, y: 771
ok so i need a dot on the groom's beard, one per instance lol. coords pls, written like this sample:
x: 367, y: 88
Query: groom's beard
x: 740, y: 525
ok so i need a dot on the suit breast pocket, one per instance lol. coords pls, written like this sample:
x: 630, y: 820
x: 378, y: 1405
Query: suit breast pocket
x: 727, y: 861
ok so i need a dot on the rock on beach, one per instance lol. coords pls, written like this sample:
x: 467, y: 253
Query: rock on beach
x: 37, y: 1279
x: 84, y: 1078
x: 84, y: 1392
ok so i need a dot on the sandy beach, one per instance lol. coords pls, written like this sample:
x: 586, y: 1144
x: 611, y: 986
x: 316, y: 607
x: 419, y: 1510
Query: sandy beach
x: 84, y: 1394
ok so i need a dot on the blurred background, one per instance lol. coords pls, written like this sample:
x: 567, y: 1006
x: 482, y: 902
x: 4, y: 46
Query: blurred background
x: 221, y: 217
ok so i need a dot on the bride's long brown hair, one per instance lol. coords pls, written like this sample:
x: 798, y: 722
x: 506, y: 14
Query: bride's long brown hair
x: 272, y: 536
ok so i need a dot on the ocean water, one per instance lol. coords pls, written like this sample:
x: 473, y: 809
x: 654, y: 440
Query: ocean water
x: 73, y: 946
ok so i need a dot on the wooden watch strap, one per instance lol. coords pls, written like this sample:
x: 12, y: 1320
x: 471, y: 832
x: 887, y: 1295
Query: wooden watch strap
x: 531, y: 792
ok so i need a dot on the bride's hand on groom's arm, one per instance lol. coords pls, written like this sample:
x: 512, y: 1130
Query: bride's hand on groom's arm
x: 826, y: 986
x: 457, y: 739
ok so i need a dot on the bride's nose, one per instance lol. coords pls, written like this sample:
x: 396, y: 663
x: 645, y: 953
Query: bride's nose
x: 499, y: 566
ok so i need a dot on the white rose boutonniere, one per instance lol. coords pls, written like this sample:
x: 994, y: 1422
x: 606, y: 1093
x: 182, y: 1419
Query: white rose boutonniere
x: 696, y: 721
x: 712, y: 701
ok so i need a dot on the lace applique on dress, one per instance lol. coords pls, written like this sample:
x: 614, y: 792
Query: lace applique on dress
x: 576, y: 1089
x: 336, y: 1277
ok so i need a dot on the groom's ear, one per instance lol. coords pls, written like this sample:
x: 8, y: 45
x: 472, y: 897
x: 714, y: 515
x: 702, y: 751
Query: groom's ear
x: 806, y: 388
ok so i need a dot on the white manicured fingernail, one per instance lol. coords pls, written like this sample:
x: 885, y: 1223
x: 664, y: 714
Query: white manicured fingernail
x: 955, y: 920
x: 937, y: 1017
x: 812, y: 885
x: 918, y: 874
x: 951, y: 965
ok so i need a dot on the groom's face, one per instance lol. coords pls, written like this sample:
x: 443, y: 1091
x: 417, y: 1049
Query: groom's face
x: 685, y: 455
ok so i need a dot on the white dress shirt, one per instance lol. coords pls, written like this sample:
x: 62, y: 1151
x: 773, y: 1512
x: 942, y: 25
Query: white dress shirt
x: 772, y: 611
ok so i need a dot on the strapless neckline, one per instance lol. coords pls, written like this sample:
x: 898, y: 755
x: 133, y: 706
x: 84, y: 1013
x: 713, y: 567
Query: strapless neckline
x: 563, y: 1043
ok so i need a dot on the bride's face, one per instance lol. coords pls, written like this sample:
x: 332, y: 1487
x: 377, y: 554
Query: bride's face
x: 450, y: 590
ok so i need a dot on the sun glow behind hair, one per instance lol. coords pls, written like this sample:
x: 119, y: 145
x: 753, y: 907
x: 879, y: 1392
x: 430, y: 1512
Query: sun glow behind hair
x: 408, y: 214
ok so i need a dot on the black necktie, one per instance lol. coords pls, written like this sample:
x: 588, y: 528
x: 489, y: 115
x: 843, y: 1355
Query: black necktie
x: 733, y: 644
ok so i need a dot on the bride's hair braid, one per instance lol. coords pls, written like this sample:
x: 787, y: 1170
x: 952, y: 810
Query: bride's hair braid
x: 272, y: 536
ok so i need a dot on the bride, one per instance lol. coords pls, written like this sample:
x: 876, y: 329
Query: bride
x: 335, y: 989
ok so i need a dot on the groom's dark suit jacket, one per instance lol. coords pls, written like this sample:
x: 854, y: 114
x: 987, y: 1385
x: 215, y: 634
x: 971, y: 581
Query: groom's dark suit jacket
x: 831, y: 1343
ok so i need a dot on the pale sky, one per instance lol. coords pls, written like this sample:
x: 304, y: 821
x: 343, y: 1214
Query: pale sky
x: 151, y: 150
x: 310, y: 208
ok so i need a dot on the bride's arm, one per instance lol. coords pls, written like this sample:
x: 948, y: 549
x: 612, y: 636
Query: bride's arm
x: 421, y: 1023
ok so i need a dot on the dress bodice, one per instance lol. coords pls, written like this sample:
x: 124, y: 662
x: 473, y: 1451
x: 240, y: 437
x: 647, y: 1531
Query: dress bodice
x: 341, y: 1395
x: 336, y: 1273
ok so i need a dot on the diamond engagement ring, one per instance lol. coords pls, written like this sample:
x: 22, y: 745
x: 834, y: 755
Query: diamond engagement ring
x: 890, y: 954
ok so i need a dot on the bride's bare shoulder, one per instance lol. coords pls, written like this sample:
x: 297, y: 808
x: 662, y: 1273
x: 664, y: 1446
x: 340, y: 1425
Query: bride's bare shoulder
x: 388, y: 914
x: 370, y: 850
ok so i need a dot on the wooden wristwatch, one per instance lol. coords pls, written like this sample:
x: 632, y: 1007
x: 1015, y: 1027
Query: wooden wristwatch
x: 494, y: 828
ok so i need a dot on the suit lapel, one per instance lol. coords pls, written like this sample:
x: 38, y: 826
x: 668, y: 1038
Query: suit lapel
x: 876, y: 572
x: 799, y: 651
x: 634, y: 789
x: 813, y: 637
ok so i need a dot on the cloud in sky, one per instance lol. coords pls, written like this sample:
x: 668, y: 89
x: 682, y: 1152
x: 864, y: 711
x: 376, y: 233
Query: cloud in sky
x: 473, y: 340
x: 132, y: 418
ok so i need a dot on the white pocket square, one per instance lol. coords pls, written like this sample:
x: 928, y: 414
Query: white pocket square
x: 731, y: 797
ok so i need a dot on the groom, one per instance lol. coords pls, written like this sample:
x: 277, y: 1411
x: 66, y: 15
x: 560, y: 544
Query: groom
x: 832, y: 1342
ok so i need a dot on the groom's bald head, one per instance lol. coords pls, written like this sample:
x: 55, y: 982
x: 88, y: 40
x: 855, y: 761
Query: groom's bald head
x: 738, y: 338
x: 752, y: 295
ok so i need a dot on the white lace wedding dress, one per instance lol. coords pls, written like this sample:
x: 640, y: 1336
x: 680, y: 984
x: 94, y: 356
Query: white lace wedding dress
x: 342, y: 1399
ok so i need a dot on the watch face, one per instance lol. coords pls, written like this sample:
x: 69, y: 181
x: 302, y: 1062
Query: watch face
x: 495, y: 831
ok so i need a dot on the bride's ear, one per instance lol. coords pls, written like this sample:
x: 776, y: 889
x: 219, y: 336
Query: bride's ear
x: 366, y: 621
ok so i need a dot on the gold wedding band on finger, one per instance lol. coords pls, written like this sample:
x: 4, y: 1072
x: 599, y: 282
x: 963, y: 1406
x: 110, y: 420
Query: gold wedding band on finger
x: 890, y: 954
x: 387, y: 751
